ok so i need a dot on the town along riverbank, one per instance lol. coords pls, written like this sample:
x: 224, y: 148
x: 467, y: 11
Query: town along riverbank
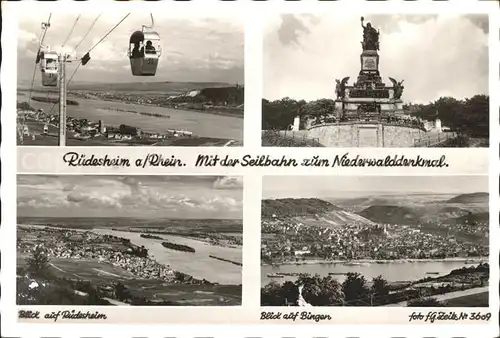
x: 105, y: 260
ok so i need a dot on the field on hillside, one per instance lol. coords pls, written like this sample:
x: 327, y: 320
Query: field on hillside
x: 105, y: 274
x: 91, y: 270
x: 289, y: 207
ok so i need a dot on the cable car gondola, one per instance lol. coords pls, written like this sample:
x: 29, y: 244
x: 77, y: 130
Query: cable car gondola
x: 144, y: 51
x: 49, y: 67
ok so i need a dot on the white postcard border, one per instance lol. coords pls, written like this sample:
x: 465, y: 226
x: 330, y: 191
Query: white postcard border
x: 252, y: 189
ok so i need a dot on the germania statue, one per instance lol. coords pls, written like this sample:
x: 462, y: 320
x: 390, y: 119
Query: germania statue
x: 370, y: 36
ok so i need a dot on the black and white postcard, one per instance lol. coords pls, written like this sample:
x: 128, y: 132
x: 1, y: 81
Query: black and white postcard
x: 250, y: 168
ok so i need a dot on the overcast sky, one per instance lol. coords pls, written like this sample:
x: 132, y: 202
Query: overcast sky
x: 130, y: 196
x: 350, y: 186
x: 200, y: 50
x: 445, y: 55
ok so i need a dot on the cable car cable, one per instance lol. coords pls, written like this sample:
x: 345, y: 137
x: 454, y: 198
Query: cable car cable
x: 67, y: 84
x: 32, y: 82
x: 45, y: 30
x: 112, y: 29
x: 43, y: 33
x: 67, y: 38
x: 71, y: 31
x: 86, y: 57
x: 86, y: 34
x: 73, y: 74
x: 78, y: 44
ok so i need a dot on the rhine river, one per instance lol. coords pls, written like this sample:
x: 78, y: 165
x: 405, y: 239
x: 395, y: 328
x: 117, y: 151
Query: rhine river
x: 197, y: 264
x: 393, y: 271
x: 200, y: 124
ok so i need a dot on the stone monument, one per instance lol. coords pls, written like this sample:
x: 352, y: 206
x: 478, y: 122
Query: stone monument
x: 367, y: 113
x: 368, y: 99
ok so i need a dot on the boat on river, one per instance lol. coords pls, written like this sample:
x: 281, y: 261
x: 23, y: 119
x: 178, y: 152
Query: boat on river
x: 151, y: 236
x: 288, y: 273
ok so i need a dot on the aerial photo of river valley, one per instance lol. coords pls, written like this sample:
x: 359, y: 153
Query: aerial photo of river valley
x: 126, y: 259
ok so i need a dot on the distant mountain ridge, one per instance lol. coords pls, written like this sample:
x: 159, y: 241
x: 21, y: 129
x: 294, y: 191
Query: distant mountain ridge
x: 214, y: 93
x: 165, y: 86
x: 457, y: 209
x: 393, y: 214
x: 117, y: 221
x: 473, y: 207
x: 159, y: 86
x: 477, y: 197
x: 219, y: 96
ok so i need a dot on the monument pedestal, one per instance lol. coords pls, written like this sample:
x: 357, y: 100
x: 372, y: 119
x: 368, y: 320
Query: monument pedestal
x: 369, y: 98
x: 369, y: 60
